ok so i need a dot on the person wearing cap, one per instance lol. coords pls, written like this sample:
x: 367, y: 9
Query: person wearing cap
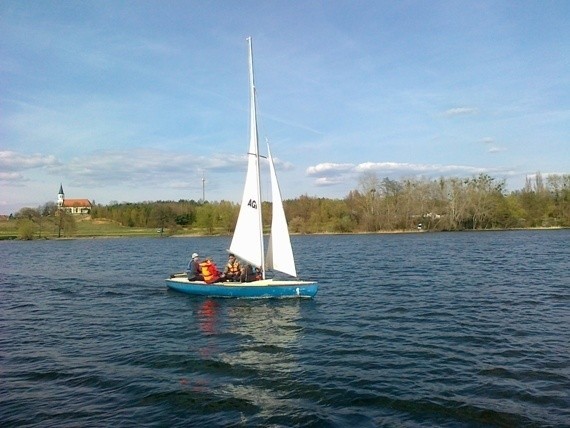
x: 233, y: 269
x: 193, y: 270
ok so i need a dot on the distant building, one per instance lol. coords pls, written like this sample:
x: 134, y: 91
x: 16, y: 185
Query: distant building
x: 72, y: 206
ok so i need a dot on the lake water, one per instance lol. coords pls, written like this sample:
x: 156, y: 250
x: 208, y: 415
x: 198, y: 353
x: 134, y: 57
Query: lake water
x: 446, y: 329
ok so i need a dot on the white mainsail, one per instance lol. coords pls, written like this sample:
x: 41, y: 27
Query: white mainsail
x: 247, y: 242
x: 279, y: 252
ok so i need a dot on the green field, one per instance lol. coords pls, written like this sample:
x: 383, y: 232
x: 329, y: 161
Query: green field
x: 101, y: 228
x: 89, y: 228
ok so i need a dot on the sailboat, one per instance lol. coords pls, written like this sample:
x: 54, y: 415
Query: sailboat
x: 248, y: 240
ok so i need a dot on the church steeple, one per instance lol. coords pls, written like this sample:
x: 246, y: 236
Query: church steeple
x: 60, y: 196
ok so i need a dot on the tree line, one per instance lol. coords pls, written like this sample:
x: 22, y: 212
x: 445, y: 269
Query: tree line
x: 46, y: 220
x: 445, y: 204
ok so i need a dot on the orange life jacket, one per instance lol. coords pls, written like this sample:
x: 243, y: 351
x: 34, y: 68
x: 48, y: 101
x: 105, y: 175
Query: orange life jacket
x: 209, y: 272
x: 233, y: 268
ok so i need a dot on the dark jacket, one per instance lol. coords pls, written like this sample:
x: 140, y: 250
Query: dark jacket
x: 193, y: 269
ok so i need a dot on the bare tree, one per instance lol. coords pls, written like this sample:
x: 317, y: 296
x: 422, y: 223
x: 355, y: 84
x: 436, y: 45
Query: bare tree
x: 370, y: 185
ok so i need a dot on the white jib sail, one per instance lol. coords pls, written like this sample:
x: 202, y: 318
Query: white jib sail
x: 279, y: 252
x: 247, y: 242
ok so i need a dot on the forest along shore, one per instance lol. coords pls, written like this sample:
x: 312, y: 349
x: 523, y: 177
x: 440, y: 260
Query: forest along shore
x: 377, y: 206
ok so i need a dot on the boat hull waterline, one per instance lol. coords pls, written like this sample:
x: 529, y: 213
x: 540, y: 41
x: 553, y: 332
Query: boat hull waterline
x: 268, y: 288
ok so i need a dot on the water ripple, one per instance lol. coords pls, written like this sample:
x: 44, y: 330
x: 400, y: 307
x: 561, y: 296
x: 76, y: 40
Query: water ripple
x: 407, y: 330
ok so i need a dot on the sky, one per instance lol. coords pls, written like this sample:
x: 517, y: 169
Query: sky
x: 130, y: 101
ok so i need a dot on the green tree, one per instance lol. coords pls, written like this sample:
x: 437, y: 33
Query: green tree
x: 29, y: 222
x: 65, y: 224
x: 162, y: 216
x: 26, y: 229
x: 226, y: 215
x: 205, y: 216
x: 536, y: 202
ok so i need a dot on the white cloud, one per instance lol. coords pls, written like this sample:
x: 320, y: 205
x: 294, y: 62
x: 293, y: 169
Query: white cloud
x: 136, y: 167
x: 326, y: 168
x: 328, y: 181
x: 279, y: 164
x: 12, y: 161
x: 460, y: 111
x: 11, y: 178
x: 495, y: 149
x: 328, y: 174
x: 384, y: 166
x: 123, y: 169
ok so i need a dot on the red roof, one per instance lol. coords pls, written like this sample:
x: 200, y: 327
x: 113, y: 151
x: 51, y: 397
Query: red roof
x: 70, y: 203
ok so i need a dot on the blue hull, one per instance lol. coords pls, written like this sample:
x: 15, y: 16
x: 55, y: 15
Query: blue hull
x: 266, y: 289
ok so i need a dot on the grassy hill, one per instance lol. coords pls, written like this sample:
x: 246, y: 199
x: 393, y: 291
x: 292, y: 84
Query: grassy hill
x: 86, y: 227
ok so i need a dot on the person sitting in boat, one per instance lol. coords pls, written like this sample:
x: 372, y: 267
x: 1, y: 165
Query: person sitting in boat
x: 193, y: 269
x: 210, y: 271
x: 249, y: 274
x: 233, y: 269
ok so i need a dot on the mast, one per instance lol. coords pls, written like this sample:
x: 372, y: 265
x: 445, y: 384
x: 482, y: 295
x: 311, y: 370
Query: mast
x: 203, y: 188
x: 254, y: 145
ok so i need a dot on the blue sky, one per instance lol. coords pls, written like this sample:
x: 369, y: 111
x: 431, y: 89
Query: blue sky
x: 137, y: 100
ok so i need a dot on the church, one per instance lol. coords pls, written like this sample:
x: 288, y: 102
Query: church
x: 72, y: 206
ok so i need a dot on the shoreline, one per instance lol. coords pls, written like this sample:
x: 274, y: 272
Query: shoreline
x: 199, y: 235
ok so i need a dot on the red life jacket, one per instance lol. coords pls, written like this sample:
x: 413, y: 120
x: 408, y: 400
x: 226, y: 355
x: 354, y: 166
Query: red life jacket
x: 209, y: 272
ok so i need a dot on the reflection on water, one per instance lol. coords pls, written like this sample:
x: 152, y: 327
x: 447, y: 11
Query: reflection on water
x: 263, y: 333
x: 273, y: 323
x: 253, y: 344
x: 207, y: 316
